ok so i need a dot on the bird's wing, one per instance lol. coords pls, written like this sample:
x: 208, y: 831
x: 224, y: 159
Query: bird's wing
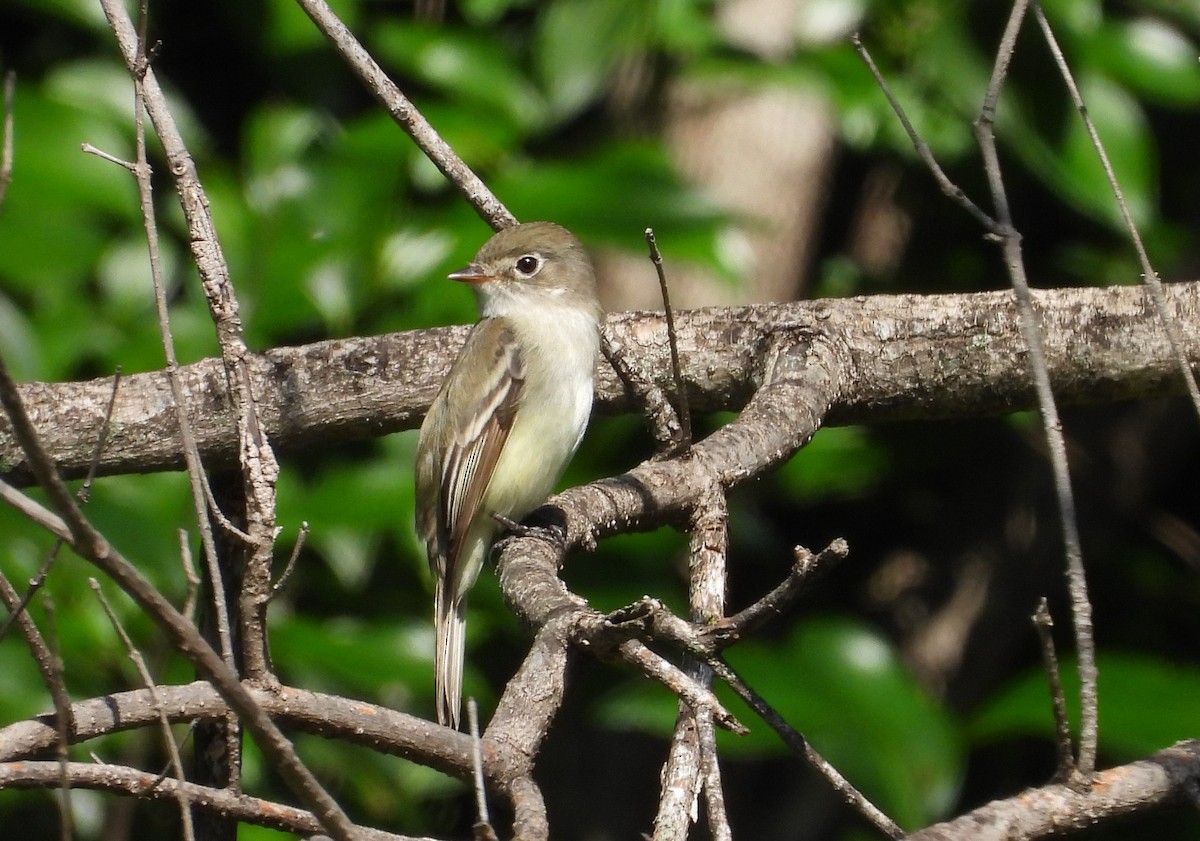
x: 480, y: 428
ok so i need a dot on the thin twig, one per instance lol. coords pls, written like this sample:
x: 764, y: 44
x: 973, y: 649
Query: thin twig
x: 38, y: 581
x: 134, y: 783
x: 805, y: 567
x: 1002, y: 231
x: 12, y: 496
x: 801, y: 747
x: 682, y: 685
x: 189, y: 574
x: 714, y: 792
x: 651, y: 399
x: 50, y: 668
x: 84, y: 493
x: 408, y: 117
x: 195, y: 470
x: 948, y: 187
x: 260, y: 470
x: 85, y: 490
x: 64, y: 722
x: 202, y: 501
x: 291, y: 562
x: 1010, y: 242
x: 681, y: 397
x: 483, y: 821
x: 6, y: 143
x: 139, y: 663
x: 33, y: 511
x: 89, y: 149
x: 214, y: 509
x: 650, y: 618
x: 1043, y: 623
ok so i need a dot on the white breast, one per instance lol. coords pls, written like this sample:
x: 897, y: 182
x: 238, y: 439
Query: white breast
x: 555, y: 405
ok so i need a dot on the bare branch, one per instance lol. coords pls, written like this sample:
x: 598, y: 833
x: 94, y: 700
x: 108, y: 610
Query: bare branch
x: 119, y: 779
x: 63, y: 723
x: 408, y: 117
x: 688, y: 770
x: 804, y: 568
x: 1010, y: 243
x: 85, y: 489
x: 353, y: 721
x: 301, y: 536
x: 89, y: 149
x: 1053, y: 810
x: 481, y: 807
x: 1002, y: 231
x: 680, y: 781
x: 650, y: 398
x: 46, y: 661
x: 82, y: 495
x: 714, y: 793
x: 948, y: 187
x: 963, y: 357
x: 189, y: 573
x: 36, y: 512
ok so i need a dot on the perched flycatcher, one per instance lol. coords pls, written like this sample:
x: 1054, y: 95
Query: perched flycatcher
x: 507, y: 419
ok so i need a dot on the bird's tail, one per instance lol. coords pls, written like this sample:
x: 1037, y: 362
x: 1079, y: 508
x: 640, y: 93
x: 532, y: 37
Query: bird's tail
x: 450, y: 621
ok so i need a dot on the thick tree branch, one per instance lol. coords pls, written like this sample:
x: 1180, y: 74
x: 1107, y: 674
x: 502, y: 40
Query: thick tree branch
x: 507, y: 763
x: 1055, y: 810
x: 118, y: 779
x: 324, y: 715
x: 945, y: 356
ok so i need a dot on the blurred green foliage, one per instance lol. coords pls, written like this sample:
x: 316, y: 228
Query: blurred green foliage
x: 334, y: 225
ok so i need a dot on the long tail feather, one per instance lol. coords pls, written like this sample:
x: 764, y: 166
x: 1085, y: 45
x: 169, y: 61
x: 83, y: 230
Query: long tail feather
x: 450, y: 622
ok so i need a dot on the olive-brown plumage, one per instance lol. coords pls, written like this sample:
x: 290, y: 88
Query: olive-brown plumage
x: 507, y: 419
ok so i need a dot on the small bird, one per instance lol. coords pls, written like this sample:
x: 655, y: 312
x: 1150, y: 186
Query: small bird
x: 508, y: 418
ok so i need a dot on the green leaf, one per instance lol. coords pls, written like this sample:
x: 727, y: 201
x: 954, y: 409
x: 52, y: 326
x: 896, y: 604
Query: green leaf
x: 1128, y: 141
x: 1071, y: 166
x: 465, y: 66
x: 578, y: 43
x: 838, y: 462
x: 487, y: 12
x: 287, y: 29
x: 1152, y: 57
x: 345, y: 654
x: 1146, y: 704
x: 612, y: 195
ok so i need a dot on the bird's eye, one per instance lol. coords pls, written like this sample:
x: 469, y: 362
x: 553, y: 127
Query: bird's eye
x: 529, y: 265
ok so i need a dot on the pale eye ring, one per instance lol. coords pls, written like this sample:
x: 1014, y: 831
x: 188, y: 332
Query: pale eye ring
x: 529, y: 265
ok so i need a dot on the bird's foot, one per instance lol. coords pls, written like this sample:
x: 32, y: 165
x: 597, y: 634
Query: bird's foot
x: 545, y: 529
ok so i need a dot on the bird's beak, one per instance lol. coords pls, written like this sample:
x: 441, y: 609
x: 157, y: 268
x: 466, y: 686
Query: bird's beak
x: 471, y: 274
